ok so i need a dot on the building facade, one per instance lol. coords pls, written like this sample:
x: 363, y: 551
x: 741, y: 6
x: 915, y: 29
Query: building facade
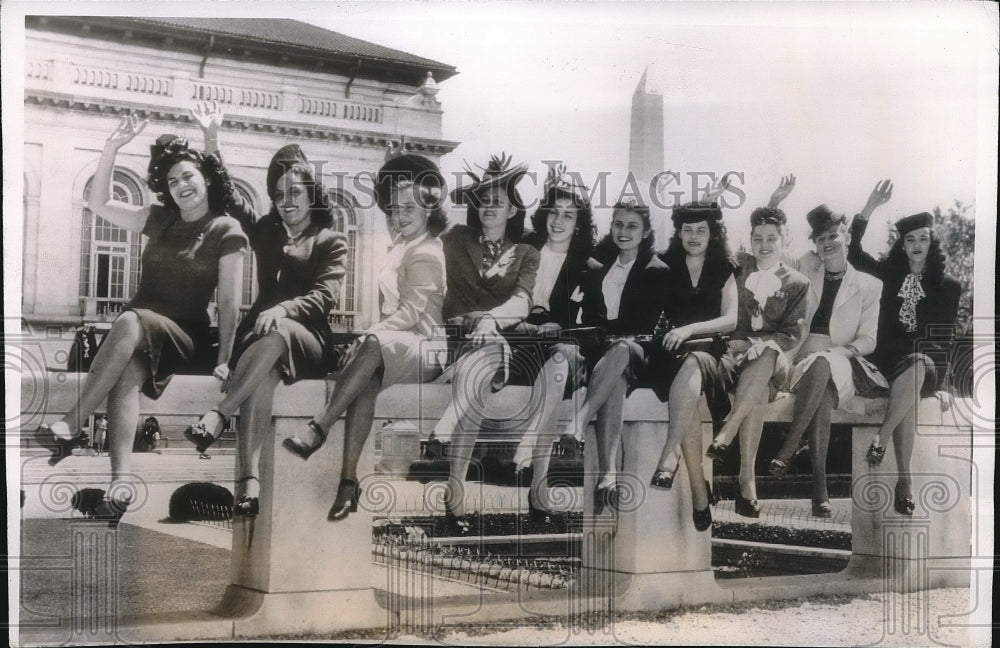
x: 341, y: 99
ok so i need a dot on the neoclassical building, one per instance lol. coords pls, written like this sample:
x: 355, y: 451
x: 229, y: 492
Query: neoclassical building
x: 278, y: 81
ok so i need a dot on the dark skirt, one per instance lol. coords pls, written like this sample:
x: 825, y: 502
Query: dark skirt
x: 173, y: 347
x: 930, y: 372
x: 528, y: 356
x: 717, y: 377
x: 308, y: 353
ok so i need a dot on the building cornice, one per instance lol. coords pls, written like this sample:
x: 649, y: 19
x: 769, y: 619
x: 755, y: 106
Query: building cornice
x: 352, y: 137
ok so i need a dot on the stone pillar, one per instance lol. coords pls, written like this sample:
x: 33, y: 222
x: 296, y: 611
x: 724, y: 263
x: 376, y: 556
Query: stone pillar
x: 292, y: 570
x: 650, y: 557
x: 931, y: 548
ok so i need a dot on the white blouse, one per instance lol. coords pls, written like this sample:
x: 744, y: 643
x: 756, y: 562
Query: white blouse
x: 613, y: 286
x: 549, y: 266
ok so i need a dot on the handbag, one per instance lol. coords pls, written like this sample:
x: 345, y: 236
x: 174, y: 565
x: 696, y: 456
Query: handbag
x: 868, y: 380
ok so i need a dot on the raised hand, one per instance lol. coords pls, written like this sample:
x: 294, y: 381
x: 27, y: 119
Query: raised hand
x: 130, y: 126
x: 209, y: 116
x: 395, y: 149
x: 880, y: 195
x: 718, y: 188
x: 784, y: 188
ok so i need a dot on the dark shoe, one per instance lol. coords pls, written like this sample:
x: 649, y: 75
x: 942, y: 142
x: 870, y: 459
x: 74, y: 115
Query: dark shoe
x: 747, y: 507
x: 59, y: 447
x: 903, y: 505
x: 802, y: 450
x: 457, y: 525
x: 201, y: 437
x: 822, y: 509
x: 717, y: 451
x: 875, y: 454
x: 570, y: 447
x: 778, y: 468
x: 297, y: 446
x: 111, y: 510
x: 702, y: 519
x: 662, y: 479
x: 246, y: 506
x: 536, y: 514
x: 348, y: 494
x: 606, y: 498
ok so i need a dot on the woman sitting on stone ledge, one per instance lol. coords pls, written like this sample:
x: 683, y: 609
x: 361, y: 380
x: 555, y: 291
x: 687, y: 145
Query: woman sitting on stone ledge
x: 770, y: 318
x: 842, y: 320
x: 193, y: 248
x: 919, y: 306
x: 401, y: 347
x: 286, y: 334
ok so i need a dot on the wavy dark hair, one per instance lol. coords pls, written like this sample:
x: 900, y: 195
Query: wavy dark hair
x: 581, y: 246
x: 321, y: 208
x: 163, y: 158
x: 717, y: 251
x: 898, y: 263
x: 605, y: 245
x: 515, y: 225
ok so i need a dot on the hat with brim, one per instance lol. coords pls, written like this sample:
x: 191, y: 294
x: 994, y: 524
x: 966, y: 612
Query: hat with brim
x: 906, y: 225
x: 408, y: 169
x: 287, y: 158
x: 696, y: 212
x: 498, y: 174
x: 821, y: 219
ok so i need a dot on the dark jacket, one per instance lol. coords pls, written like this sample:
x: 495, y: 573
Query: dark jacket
x: 303, y: 278
x: 566, y: 298
x: 936, y: 312
x: 468, y: 290
x: 643, y: 298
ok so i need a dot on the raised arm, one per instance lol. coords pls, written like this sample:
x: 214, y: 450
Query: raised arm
x: 100, y: 201
x: 209, y: 117
x: 856, y: 254
x: 784, y: 188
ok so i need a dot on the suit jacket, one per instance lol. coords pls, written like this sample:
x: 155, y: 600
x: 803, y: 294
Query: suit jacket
x: 421, y: 281
x: 936, y: 312
x: 782, y: 313
x: 303, y: 278
x: 855, y: 310
x: 471, y: 292
x: 643, y: 297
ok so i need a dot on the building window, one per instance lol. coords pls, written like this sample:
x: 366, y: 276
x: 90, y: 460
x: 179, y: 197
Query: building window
x: 345, y: 220
x: 110, y: 255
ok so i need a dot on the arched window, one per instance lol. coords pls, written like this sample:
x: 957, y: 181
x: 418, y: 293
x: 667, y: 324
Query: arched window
x: 110, y: 255
x: 345, y: 220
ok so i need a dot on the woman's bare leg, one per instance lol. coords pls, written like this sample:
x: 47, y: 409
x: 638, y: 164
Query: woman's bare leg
x: 603, y: 381
x: 353, y: 380
x: 751, y: 430
x: 117, y: 351
x: 358, y: 427
x: 255, y: 425
x: 904, y: 397
x: 682, y: 408
x: 610, y: 420
x: 819, y: 441
x: 809, y: 393
x: 123, y: 418
x: 751, y: 391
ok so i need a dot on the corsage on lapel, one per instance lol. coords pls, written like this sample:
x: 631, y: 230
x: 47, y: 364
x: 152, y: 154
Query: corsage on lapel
x: 500, y: 267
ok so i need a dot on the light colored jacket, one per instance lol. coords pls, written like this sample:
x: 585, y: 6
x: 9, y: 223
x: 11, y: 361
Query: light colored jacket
x: 854, y: 320
x: 421, y: 281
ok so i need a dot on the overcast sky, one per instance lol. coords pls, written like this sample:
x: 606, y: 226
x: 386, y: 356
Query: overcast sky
x: 840, y: 94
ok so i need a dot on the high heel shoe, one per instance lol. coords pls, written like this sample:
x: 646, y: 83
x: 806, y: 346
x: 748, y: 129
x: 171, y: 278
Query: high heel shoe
x: 717, y: 451
x: 747, y: 507
x: 570, y: 447
x: 297, y: 446
x: 903, y: 505
x: 875, y: 454
x: 702, y: 519
x: 111, y: 510
x: 457, y: 525
x: 246, y: 506
x: 536, y: 515
x: 663, y: 479
x: 778, y: 468
x: 822, y: 509
x: 348, y: 494
x: 60, y: 448
x: 199, y: 435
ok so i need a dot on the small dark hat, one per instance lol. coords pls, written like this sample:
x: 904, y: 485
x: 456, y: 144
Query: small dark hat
x: 768, y: 216
x: 498, y: 173
x: 405, y: 169
x: 696, y: 212
x: 821, y: 219
x: 906, y: 225
x: 287, y: 158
